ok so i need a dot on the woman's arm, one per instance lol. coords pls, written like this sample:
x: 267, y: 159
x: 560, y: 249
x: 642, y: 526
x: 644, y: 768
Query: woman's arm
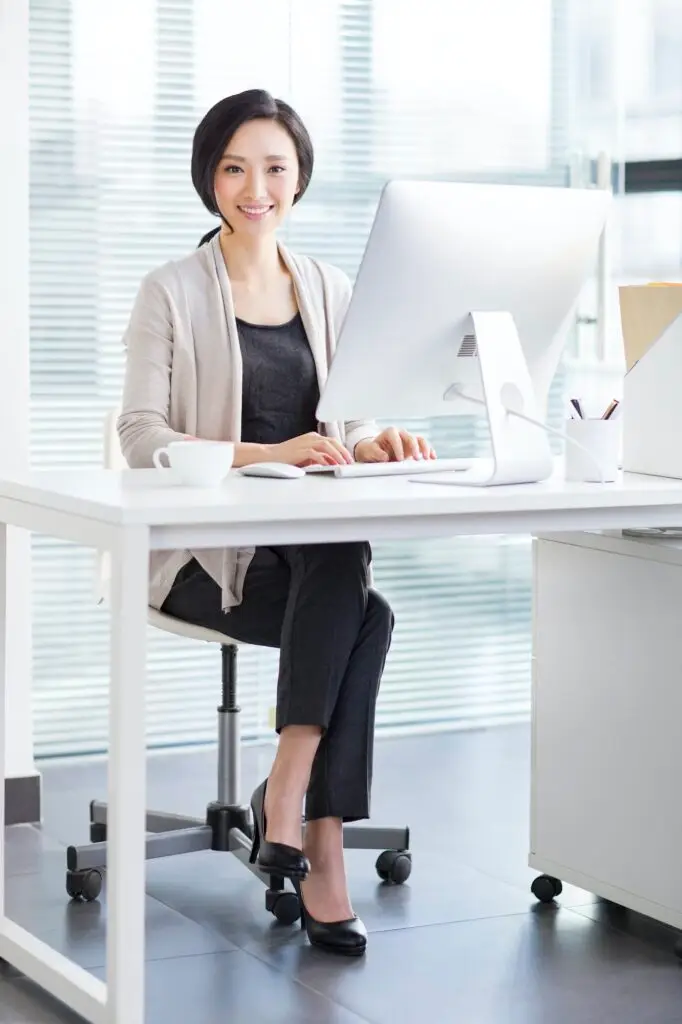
x: 143, y: 423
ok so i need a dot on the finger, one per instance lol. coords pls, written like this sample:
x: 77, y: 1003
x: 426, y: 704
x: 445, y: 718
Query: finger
x: 396, y: 444
x: 424, y: 447
x: 315, y: 458
x: 329, y: 448
x: 325, y: 451
x: 410, y: 444
x: 339, y: 453
x: 326, y: 441
x: 432, y: 453
x: 346, y: 455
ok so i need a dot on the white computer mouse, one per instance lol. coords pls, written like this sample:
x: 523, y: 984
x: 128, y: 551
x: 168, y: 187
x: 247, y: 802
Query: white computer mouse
x: 274, y: 470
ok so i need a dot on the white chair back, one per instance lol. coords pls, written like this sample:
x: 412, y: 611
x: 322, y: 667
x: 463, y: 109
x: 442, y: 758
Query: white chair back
x: 113, y: 456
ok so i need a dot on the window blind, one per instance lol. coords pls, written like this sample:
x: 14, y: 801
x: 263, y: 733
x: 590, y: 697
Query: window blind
x: 111, y: 198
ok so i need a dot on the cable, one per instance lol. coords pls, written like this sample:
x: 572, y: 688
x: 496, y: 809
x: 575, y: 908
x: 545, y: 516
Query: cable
x: 543, y: 426
x: 560, y: 433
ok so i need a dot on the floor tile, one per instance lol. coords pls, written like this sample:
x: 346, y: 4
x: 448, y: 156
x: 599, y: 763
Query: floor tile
x: 40, y: 904
x: 25, y: 847
x: 218, y: 893
x: 468, y: 798
x: 183, y: 782
x: 547, y: 967
x: 464, y: 940
x: 24, y: 1004
x: 637, y: 926
x: 235, y: 988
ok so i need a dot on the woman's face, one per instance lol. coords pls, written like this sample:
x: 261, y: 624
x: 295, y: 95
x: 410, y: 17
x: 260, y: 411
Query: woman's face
x: 257, y: 178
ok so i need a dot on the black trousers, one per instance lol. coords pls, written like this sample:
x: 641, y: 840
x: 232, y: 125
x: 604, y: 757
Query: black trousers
x: 333, y: 632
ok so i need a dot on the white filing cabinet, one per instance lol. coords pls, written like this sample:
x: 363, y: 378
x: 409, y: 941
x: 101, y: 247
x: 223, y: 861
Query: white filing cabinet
x: 607, y: 718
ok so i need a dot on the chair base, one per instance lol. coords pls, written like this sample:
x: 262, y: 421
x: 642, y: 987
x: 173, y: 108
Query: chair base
x: 226, y: 829
x: 227, y: 826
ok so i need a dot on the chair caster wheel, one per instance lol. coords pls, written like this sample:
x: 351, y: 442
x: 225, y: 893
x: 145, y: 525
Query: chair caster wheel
x: 545, y: 888
x: 84, y: 885
x: 283, y: 906
x: 394, y: 866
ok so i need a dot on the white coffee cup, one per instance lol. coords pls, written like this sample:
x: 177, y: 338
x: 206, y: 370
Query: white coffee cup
x: 197, y: 463
x: 598, y: 457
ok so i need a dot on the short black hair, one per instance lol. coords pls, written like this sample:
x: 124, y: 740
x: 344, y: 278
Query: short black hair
x: 219, y: 125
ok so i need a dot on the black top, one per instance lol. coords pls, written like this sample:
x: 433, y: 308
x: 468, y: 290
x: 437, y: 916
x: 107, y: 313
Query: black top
x: 280, y: 390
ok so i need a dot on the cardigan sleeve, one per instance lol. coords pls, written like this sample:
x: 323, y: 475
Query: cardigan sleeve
x: 143, y: 421
x: 354, y: 430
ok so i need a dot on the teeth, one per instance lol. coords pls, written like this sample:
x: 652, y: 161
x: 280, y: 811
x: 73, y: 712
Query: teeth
x: 255, y: 209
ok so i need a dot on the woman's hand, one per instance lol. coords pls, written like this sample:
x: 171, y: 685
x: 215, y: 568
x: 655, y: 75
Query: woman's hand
x: 310, y: 450
x: 393, y: 445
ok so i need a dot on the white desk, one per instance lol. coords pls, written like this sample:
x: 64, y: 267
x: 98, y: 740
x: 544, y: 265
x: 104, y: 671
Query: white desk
x: 131, y: 513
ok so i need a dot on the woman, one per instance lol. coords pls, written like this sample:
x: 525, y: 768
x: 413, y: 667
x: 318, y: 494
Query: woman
x: 232, y: 343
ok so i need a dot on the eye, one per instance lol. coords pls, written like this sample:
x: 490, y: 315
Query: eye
x: 277, y: 169
x: 230, y: 168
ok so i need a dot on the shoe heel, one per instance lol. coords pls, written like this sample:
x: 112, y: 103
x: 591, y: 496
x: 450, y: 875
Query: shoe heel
x: 258, y: 817
x: 255, y: 848
x: 273, y: 858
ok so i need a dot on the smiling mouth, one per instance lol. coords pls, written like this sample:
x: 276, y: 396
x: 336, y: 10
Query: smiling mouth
x: 255, y: 212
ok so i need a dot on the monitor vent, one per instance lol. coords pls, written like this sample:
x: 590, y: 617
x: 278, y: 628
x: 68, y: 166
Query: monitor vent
x: 468, y: 349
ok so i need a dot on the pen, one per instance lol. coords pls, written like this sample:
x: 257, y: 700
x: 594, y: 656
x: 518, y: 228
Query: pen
x: 611, y: 409
x: 575, y: 402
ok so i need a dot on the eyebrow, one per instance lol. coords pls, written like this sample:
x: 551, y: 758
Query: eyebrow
x: 241, y: 160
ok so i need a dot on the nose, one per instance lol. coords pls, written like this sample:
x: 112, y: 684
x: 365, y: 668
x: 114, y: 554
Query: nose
x: 256, y: 184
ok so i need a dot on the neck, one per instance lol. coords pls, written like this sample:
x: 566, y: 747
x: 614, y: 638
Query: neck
x: 249, y: 259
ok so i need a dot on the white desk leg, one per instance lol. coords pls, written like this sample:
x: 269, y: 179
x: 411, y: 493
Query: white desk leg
x: 3, y: 711
x: 127, y: 778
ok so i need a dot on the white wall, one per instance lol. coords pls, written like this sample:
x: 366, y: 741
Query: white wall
x: 14, y: 364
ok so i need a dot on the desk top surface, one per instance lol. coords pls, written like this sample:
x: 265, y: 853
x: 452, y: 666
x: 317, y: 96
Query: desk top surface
x: 154, y: 498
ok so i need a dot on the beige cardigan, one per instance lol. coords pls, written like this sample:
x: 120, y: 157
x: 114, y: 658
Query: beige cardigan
x: 184, y: 376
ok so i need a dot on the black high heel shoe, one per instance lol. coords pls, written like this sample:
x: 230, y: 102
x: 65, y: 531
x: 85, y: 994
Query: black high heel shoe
x: 273, y: 858
x: 349, y: 938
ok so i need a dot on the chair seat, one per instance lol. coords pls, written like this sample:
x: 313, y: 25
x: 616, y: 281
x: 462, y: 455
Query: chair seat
x: 171, y: 625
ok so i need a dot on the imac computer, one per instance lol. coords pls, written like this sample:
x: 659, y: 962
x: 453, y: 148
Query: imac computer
x: 462, y: 303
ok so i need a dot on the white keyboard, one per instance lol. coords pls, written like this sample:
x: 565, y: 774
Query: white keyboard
x: 409, y: 467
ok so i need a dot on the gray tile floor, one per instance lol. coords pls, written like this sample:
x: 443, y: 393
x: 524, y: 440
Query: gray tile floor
x: 463, y: 941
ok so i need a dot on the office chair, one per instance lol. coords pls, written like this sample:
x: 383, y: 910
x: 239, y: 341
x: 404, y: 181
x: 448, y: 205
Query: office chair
x: 227, y: 826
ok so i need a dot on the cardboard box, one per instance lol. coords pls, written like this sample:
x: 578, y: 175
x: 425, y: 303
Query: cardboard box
x: 645, y: 312
x: 651, y: 318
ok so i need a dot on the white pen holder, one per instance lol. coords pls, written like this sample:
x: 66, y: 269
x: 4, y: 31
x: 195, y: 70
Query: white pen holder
x: 593, y: 450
